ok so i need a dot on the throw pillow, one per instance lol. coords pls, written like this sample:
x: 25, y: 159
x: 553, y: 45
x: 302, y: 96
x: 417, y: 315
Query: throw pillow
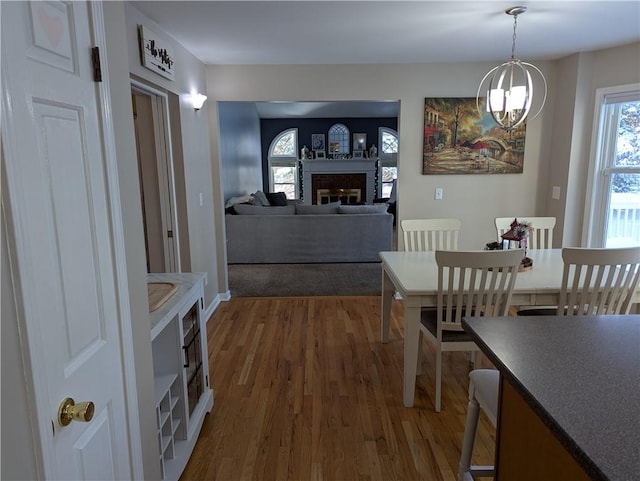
x: 261, y: 199
x: 243, y: 209
x: 243, y: 199
x: 277, y: 198
x: 363, y: 209
x: 331, y: 208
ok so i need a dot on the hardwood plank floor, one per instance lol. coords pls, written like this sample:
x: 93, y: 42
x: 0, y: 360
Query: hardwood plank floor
x: 305, y: 390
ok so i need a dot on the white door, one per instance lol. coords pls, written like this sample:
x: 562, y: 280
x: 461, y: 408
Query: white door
x: 56, y: 173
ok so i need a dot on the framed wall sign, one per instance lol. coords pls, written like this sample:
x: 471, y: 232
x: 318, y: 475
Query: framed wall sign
x: 156, y: 55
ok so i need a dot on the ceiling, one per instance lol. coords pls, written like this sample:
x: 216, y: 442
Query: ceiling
x: 372, y: 32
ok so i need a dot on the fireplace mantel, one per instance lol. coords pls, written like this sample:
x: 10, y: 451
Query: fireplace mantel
x: 338, y: 166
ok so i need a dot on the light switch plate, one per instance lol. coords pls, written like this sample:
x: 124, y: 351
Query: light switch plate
x: 438, y: 195
x: 555, y: 192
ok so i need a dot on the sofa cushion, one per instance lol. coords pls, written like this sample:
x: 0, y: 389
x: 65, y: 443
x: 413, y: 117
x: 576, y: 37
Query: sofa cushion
x: 277, y: 198
x: 243, y: 209
x: 331, y: 208
x: 363, y: 209
x: 261, y: 198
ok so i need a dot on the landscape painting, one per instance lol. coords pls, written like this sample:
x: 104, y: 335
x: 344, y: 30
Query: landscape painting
x: 460, y: 140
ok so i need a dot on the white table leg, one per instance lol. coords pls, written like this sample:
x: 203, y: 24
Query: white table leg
x: 388, y: 289
x: 411, y: 346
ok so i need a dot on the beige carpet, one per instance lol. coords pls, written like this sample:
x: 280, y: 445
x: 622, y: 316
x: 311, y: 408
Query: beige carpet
x: 286, y: 280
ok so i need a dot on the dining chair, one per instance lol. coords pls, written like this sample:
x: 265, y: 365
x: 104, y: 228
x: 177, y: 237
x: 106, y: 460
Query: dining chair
x: 470, y: 284
x: 540, y: 238
x: 430, y: 234
x: 594, y: 281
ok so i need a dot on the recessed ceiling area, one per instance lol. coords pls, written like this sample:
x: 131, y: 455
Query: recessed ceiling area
x: 337, y: 109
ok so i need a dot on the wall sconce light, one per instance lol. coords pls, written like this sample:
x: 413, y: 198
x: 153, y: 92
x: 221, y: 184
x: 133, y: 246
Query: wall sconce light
x: 510, y: 89
x: 197, y: 100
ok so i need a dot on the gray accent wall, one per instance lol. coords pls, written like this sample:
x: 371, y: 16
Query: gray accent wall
x: 240, y: 148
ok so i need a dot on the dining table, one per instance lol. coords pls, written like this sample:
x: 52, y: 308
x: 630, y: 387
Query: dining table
x: 413, y: 277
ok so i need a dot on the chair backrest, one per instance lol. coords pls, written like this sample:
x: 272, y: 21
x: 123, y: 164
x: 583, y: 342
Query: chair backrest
x: 430, y: 234
x: 474, y: 284
x: 598, y: 281
x: 542, y: 235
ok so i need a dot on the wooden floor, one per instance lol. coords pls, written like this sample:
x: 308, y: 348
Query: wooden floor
x: 305, y: 390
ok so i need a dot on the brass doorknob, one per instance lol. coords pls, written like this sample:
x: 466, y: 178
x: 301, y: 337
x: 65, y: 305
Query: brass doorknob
x: 69, y: 411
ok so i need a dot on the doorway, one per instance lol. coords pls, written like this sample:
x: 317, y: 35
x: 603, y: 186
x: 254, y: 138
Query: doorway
x: 156, y: 174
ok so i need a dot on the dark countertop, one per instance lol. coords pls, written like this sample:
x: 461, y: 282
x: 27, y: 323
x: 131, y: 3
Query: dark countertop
x: 581, y: 375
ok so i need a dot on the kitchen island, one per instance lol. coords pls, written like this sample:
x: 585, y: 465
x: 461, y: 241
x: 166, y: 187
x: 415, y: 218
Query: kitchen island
x: 569, y: 403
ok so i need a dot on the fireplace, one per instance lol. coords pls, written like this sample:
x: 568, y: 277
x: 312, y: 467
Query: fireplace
x: 348, y: 188
x: 345, y: 196
x: 338, y: 179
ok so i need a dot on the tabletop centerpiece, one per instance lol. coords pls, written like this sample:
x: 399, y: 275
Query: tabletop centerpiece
x: 517, y: 237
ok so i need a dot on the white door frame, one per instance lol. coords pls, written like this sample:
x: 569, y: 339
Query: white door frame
x: 166, y: 177
x: 29, y: 331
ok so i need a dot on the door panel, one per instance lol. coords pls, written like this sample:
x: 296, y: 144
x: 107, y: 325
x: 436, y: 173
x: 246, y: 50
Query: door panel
x: 59, y: 203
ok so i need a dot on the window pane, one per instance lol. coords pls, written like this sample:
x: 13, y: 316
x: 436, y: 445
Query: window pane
x: 285, y: 145
x: 389, y: 173
x: 623, y: 220
x: 284, y: 175
x: 628, y: 142
x: 288, y: 189
x: 389, y: 143
x: 338, y: 139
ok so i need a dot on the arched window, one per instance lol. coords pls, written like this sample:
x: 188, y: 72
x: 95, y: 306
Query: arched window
x: 283, y: 163
x: 338, y: 140
x: 388, y: 160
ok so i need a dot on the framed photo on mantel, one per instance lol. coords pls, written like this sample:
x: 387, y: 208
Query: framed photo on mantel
x: 317, y: 142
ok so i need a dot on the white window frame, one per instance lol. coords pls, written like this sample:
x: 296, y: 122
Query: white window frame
x: 284, y: 161
x: 385, y: 159
x: 602, y: 150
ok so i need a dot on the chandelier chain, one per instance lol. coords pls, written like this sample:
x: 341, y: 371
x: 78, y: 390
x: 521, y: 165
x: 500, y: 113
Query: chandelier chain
x: 513, y: 45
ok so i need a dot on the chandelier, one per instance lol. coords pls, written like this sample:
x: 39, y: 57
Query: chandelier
x: 510, y: 86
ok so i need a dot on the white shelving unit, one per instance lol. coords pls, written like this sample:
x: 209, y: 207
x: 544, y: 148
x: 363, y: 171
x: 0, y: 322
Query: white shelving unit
x: 182, y: 393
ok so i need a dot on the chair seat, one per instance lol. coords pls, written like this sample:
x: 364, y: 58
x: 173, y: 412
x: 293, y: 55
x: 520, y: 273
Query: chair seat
x: 544, y: 311
x: 429, y: 319
x: 484, y: 387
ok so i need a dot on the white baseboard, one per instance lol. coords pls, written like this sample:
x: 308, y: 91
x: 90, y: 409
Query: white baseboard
x: 221, y: 297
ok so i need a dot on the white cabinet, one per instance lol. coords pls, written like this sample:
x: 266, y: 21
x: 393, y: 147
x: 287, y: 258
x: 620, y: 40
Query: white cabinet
x: 180, y: 362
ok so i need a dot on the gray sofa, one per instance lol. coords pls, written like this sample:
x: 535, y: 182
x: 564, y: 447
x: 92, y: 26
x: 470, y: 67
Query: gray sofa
x: 279, y: 235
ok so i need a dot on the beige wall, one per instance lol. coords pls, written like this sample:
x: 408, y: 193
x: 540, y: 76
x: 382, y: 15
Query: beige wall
x: 476, y: 199
x: 577, y: 78
x: 193, y: 127
x: 557, y: 146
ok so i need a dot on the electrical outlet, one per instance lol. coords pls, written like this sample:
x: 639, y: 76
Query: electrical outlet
x: 438, y: 195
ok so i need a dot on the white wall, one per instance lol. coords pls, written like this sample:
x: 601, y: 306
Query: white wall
x: 476, y: 199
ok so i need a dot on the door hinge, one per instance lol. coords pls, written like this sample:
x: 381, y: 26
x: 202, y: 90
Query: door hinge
x: 170, y: 233
x: 95, y: 59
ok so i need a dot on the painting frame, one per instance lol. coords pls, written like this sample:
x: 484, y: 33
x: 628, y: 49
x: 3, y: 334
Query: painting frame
x: 320, y: 154
x: 358, y: 154
x: 317, y: 142
x: 359, y: 142
x: 459, y: 139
